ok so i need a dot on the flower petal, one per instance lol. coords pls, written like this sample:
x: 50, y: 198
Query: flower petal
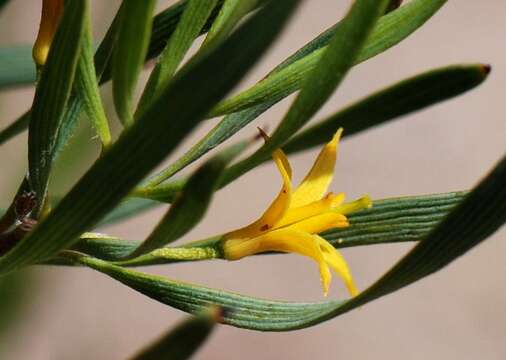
x: 328, y: 203
x: 338, y: 264
x: 318, y: 179
x: 320, y: 223
x: 278, y: 207
x: 283, y: 240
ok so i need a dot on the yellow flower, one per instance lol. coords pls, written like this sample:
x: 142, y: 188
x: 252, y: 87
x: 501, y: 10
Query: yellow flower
x: 293, y: 220
x: 52, y: 11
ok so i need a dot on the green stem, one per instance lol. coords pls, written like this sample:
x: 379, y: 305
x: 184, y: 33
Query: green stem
x: 169, y: 255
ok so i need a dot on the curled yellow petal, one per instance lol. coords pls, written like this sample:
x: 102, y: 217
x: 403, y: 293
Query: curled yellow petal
x: 318, y: 179
x: 337, y: 262
x: 52, y: 11
x: 283, y: 240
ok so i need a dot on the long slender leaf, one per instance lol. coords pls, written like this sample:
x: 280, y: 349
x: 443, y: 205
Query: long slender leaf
x: 52, y: 94
x: 189, y: 27
x: 129, y: 54
x: 397, y: 100
x: 389, y: 30
x: 149, y: 141
x: 87, y: 87
x: 230, y: 14
x: 183, y: 341
x: 481, y: 213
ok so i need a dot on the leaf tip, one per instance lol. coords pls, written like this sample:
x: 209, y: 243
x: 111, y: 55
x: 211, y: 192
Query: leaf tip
x: 485, y: 69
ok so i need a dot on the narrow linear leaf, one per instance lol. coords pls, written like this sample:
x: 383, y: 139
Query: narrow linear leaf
x: 230, y: 14
x: 149, y: 141
x: 389, y: 30
x: 136, y: 19
x: 479, y: 215
x: 192, y: 203
x: 105, y: 247
x: 51, y: 96
x: 183, y: 341
x: 403, y: 219
x: 397, y: 100
x: 87, y: 87
x: 189, y: 27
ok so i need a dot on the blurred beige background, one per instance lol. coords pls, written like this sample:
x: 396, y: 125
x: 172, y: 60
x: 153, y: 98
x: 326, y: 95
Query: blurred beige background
x: 458, y: 313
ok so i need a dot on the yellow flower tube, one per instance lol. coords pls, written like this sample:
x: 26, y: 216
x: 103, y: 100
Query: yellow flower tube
x: 52, y: 11
x: 295, y: 217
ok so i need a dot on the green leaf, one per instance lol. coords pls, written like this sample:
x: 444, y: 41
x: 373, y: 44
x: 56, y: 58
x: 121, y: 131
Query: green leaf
x: 87, y: 87
x: 477, y: 217
x: 230, y: 14
x: 192, y: 203
x: 51, y: 96
x: 129, y: 54
x: 189, y: 27
x: 402, y: 219
x: 397, y: 100
x: 392, y: 220
x: 189, y: 97
x: 105, y: 248
x: 183, y: 341
x: 389, y: 30
x: 16, y: 66
x: 289, y: 76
